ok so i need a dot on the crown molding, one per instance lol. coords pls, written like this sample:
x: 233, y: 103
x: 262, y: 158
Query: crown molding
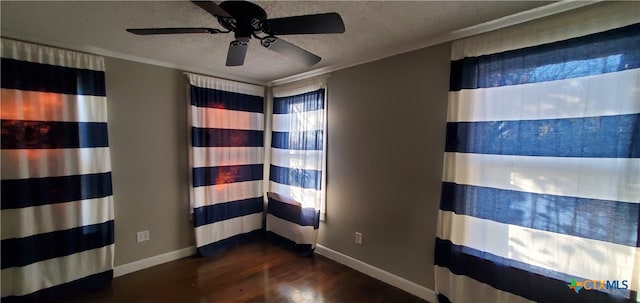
x: 123, y: 56
x: 528, y: 15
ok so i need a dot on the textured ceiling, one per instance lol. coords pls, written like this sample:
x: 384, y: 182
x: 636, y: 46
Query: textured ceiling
x: 374, y: 29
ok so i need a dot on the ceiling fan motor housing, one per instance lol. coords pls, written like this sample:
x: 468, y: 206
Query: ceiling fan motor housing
x: 248, y: 17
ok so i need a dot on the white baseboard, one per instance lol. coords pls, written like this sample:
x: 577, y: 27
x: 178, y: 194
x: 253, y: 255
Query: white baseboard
x: 124, y: 269
x: 377, y: 273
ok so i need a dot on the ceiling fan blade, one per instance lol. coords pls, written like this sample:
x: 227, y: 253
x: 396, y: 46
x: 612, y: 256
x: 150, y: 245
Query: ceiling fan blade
x: 328, y: 23
x: 212, y: 8
x: 174, y: 30
x: 290, y: 50
x: 237, y: 51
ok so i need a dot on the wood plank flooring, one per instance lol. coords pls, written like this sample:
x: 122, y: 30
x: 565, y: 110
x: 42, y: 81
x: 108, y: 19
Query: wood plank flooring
x: 253, y: 272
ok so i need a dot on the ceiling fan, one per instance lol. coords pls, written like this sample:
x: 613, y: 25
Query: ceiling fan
x: 247, y: 20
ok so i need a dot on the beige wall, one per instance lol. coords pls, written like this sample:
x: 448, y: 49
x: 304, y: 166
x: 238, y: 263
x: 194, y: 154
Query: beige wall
x: 148, y: 141
x: 386, y: 128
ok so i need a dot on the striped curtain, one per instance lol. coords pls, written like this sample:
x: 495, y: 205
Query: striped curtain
x: 57, y: 205
x: 227, y: 152
x: 296, y: 174
x: 541, y: 185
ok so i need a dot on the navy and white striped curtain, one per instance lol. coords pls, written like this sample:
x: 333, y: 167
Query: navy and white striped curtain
x: 57, y: 205
x: 296, y: 174
x: 541, y: 185
x: 227, y: 156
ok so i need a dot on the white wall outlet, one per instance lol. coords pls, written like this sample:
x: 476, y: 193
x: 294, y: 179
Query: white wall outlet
x: 143, y: 236
x: 358, y: 238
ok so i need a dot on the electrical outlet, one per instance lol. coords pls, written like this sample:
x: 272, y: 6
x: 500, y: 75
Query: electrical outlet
x: 358, y: 238
x: 143, y: 236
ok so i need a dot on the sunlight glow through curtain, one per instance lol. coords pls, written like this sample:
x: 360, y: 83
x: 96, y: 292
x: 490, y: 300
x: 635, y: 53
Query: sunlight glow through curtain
x: 541, y: 183
x: 226, y: 155
x: 57, y: 204
x: 297, y: 170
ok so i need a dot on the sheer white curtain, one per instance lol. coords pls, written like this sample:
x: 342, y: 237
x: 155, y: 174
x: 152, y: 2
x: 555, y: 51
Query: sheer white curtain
x: 541, y: 184
x: 57, y: 204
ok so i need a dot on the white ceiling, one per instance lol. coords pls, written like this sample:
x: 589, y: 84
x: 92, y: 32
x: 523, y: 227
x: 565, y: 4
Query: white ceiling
x: 374, y: 29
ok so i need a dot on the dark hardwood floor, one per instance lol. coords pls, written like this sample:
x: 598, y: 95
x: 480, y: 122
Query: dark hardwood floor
x: 253, y: 272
